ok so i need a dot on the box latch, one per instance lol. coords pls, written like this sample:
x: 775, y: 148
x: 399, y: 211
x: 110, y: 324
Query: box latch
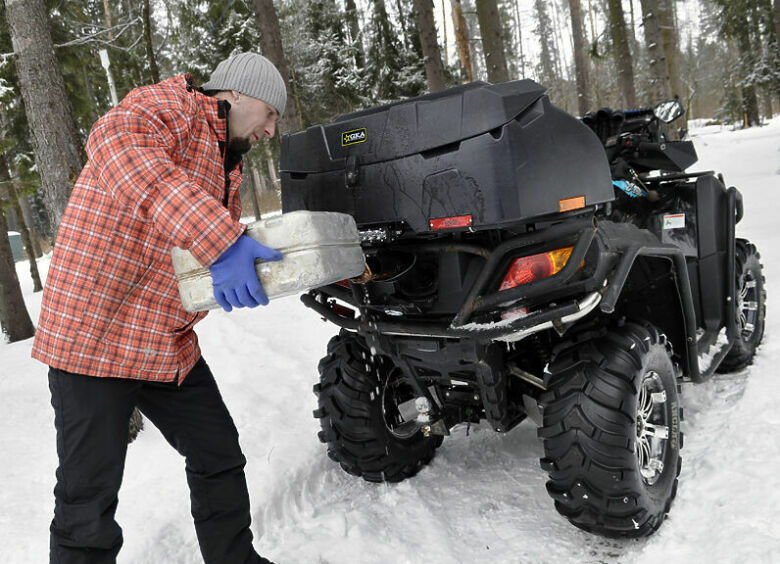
x: 351, y: 172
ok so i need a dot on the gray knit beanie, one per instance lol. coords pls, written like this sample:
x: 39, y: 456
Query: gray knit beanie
x: 253, y: 75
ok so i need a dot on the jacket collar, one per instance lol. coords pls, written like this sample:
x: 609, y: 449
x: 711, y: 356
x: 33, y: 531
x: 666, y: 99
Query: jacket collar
x: 215, y: 110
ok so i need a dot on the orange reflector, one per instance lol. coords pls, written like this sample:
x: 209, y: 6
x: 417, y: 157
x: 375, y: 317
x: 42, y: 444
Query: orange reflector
x: 571, y: 204
x: 450, y: 222
x: 535, y: 267
x: 343, y: 284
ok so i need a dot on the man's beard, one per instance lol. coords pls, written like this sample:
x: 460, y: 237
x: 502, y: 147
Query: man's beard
x: 239, y: 145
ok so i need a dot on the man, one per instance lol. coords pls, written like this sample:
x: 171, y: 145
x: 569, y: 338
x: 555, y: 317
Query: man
x: 163, y: 171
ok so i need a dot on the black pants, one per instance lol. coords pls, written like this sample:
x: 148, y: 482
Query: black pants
x: 92, y: 415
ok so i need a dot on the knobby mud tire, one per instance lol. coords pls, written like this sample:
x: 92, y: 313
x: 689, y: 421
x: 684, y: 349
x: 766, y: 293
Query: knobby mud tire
x: 591, y: 430
x: 748, y: 267
x: 350, y: 411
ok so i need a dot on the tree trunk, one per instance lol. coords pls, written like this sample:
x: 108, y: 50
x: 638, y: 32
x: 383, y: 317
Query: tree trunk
x: 15, y: 322
x: 519, y: 28
x: 434, y: 69
x: 670, y: 45
x: 148, y: 42
x: 766, y: 97
x: 444, y: 31
x: 624, y: 64
x: 462, y: 39
x: 557, y: 41
x: 52, y: 130
x: 777, y: 26
x: 249, y: 177
x: 271, y: 45
x: 354, y: 32
x: 492, y: 40
x: 580, y: 58
x: 9, y: 194
x: 750, y: 115
x: 24, y: 204
x: 21, y: 206
x: 659, y: 70
x: 28, y: 244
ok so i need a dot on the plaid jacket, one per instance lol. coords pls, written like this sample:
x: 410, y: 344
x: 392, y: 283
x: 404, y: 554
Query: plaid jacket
x: 155, y: 179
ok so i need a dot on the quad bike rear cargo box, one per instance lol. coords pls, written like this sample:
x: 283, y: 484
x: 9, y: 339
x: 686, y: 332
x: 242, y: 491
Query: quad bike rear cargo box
x: 474, y: 157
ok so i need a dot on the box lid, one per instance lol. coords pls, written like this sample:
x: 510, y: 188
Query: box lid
x: 408, y: 127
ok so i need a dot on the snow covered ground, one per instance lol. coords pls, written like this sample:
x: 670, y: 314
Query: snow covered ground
x: 481, y: 500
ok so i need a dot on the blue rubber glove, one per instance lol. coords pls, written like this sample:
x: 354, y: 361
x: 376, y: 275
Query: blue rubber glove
x: 234, y: 276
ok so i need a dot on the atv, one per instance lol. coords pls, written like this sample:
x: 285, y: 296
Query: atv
x: 524, y: 263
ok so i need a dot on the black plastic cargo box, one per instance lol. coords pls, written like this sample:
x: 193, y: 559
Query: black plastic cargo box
x: 472, y: 157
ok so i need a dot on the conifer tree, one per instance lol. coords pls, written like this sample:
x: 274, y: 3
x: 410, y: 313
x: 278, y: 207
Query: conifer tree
x: 271, y: 43
x: 620, y: 48
x: 735, y: 23
x: 53, y: 133
x: 492, y: 40
x: 462, y: 39
x: 390, y: 72
x: 434, y: 69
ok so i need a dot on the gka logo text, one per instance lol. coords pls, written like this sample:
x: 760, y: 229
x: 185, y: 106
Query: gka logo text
x: 353, y: 137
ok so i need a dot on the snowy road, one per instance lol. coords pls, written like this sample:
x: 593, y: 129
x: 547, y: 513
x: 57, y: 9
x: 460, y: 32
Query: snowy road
x: 483, y: 497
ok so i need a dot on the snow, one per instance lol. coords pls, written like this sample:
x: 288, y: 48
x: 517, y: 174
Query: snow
x: 706, y: 357
x: 483, y: 497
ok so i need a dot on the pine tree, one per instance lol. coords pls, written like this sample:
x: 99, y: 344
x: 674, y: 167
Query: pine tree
x: 271, y: 43
x: 15, y: 322
x: 660, y: 87
x: 322, y: 61
x: 735, y: 23
x: 580, y: 58
x: 545, y: 69
x: 356, y: 37
x: 55, y: 143
x: 492, y: 40
x: 462, y: 39
x: 434, y: 69
x: 670, y: 42
x: 390, y: 72
x: 620, y: 48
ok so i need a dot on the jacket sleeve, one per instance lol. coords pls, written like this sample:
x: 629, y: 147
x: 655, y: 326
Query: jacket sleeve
x: 132, y: 150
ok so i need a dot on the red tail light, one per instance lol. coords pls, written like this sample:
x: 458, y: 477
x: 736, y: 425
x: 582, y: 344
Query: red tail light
x: 535, y: 267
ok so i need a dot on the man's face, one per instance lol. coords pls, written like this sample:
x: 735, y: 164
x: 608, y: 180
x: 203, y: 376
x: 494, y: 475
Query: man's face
x: 251, y: 120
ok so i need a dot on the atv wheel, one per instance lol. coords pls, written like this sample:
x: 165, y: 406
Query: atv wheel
x: 611, y: 430
x: 358, y: 412
x: 751, y: 308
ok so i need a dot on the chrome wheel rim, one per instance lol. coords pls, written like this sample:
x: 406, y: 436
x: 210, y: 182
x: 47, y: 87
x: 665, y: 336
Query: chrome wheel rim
x: 747, y: 305
x: 652, y: 428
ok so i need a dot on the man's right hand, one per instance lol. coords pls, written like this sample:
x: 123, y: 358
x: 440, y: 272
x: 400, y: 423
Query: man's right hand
x: 234, y: 277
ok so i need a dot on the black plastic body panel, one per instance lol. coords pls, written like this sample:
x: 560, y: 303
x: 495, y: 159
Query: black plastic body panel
x: 712, y: 219
x: 704, y: 242
x: 502, y: 154
x: 670, y: 156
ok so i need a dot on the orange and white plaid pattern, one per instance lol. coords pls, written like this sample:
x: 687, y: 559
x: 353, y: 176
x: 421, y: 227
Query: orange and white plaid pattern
x: 155, y: 179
